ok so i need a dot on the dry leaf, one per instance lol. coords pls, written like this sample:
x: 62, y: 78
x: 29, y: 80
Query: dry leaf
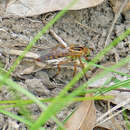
x: 28, y: 70
x: 23, y: 8
x: 84, y: 117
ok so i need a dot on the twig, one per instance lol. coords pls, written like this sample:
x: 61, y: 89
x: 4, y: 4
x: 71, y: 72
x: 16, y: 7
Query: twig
x: 18, y: 52
x: 113, y: 115
x: 115, y: 19
x: 113, y: 109
x: 57, y: 38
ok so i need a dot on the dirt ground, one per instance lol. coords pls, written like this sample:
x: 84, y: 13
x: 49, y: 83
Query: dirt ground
x: 86, y: 27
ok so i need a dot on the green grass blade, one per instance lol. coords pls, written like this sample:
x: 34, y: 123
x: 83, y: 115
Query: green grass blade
x: 121, y: 63
x: 108, y: 69
x: 100, y: 75
x: 48, y: 113
x: 127, y: 122
x: 24, y: 102
x: 27, y: 122
x: 96, y: 59
x: 43, y: 31
x: 80, y: 88
x: 37, y: 37
x: 115, y: 86
x: 19, y: 88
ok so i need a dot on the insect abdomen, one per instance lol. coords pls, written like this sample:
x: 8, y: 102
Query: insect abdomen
x: 53, y: 55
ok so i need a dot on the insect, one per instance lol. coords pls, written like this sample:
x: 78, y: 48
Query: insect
x: 72, y: 52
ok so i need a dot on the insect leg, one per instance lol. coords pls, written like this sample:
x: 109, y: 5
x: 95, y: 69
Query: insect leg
x: 75, y: 69
x: 59, y: 64
x: 82, y: 65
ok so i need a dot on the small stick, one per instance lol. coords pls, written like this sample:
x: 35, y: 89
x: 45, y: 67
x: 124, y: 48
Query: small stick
x: 113, y: 115
x: 113, y: 109
x: 57, y: 38
x: 115, y: 19
x: 18, y: 52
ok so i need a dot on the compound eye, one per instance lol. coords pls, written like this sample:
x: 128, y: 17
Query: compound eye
x: 87, y: 52
x: 78, y: 48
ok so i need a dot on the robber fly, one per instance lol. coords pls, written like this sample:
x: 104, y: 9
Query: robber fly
x: 71, y: 53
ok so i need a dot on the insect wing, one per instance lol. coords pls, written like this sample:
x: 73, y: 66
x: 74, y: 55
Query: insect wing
x: 53, y: 55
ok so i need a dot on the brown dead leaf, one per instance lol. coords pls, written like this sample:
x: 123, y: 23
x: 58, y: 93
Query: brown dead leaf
x: 84, y: 117
x: 23, y: 8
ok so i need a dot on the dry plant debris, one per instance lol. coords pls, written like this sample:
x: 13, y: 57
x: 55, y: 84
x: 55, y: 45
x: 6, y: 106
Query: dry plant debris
x: 84, y: 117
x: 120, y: 96
x: 25, y: 8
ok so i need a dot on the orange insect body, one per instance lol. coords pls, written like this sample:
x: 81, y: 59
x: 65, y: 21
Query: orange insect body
x: 54, y: 54
x: 73, y: 51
